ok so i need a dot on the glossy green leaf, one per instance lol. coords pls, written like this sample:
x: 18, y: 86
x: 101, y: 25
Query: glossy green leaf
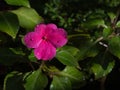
x: 98, y: 70
x: 118, y: 24
x: 13, y: 81
x: 66, y: 58
x: 76, y: 77
x: 60, y: 83
x: 28, y: 17
x: 72, y: 50
x: 18, y: 2
x: 36, y: 81
x: 32, y: 57
x: 114, y: 46
x: 9, y: 23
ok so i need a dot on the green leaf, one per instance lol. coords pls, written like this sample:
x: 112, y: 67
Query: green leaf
x: 114, y: 46
x: 93, y: 23
x: 118, y: 24
x: 72, y: 50
x: 66, y: 58
x: 107, y: 31
x: 88, y: 49
x: 102, y: 64
x: 13, y: 81
x: 9, y: 23
x: 60, y: 83
x: 112, y: 16
x: 28, y: 17
x: 8, y: 57
x: 76, y: 77
x: 36, y: 81
x: 18, y: 2
x: 98, y: 70
x: 32, y: 57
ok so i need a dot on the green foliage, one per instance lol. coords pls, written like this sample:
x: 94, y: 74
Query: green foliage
x: 76, y: 77
x: 28, y: 17
x: 8, y: 57
x: 35, y: 81
x: 60, y: 83
x: 92, y: 51
x: 8, y: 24
x: 18, y: 3
x: 16, y: 83
x: 66, y: 58
x: 114, y: 46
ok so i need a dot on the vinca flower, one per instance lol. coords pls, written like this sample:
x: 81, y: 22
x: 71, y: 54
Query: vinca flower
x: 45, y: 39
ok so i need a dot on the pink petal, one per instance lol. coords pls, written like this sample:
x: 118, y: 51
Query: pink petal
x: 52, y: 26
x: 58, y: 37
x: 32, y: 40
x: 40, y: 28
x: 45, y: 51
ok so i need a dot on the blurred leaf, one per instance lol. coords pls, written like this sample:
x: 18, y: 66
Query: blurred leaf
x: 28, y: 17
x: 9, y: 23
x: 13, y: 81
x: 76, y: 77
x: 36, y: 81
x: 66, y: 58
x: 114, y: 46
x: 18, y: 2
x: 118, y: 24
x: 32, y: 57
x: 112, y: 16
x: 107, y: 32
x: 60, y: 83
x: 98, y: 70
x: 93, y: 23
x: 8, y: 57
x: 88, y: 49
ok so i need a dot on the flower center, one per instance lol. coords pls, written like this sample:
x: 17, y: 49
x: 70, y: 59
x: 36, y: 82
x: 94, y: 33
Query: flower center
x: 44, y: 38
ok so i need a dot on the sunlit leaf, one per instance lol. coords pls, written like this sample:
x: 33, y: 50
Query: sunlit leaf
x: 67, y: 58
x: 28, y: 17
x: 13, y: 81
x: 18, y: 2
x: 60, y: 83
x: 9, y: 23
x: 36, y: 81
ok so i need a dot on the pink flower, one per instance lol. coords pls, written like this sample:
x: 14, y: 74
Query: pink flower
x: 45, y: 39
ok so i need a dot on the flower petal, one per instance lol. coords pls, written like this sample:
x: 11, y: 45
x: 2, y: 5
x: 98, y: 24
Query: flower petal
x: 40, y: 28
x: 58, y: 37
x: 52, y: 26
x: 32, y: 40
x: 45, y: 51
